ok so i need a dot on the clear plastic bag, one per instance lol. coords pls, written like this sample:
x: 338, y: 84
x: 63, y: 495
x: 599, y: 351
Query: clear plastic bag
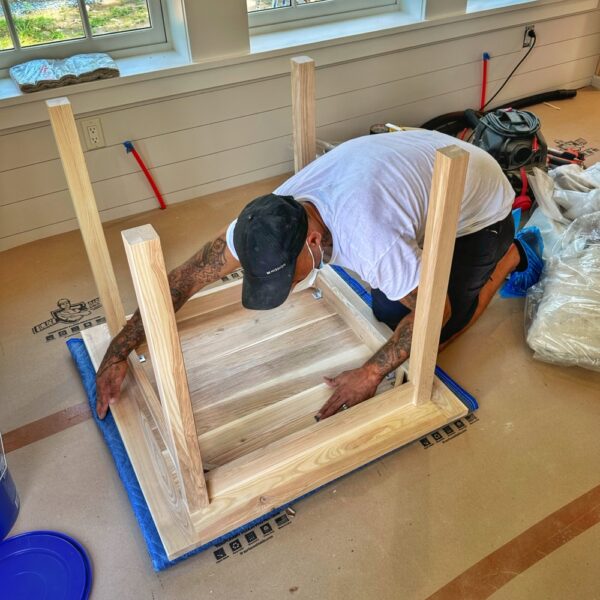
x: 562, y: 311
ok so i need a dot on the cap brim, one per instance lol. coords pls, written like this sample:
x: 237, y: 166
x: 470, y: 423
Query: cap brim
x: 262, y: 293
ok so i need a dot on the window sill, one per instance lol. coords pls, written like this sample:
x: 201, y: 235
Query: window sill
x: 339, y: 31
x: 129, y: 66
x: 474, y: 6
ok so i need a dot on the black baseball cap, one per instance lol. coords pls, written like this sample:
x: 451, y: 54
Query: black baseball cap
x: 268, y: 237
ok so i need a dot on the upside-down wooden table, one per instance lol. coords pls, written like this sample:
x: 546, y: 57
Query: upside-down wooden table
x: 218, y: 422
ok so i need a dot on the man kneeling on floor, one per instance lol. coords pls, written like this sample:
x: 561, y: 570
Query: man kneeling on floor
x: 362, y: 206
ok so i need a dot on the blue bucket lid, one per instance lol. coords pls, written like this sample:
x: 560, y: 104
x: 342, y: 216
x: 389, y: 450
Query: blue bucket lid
x: 44, y: 565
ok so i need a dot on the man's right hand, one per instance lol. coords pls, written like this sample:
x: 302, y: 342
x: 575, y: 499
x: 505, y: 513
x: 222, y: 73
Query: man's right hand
x: 108, y: 385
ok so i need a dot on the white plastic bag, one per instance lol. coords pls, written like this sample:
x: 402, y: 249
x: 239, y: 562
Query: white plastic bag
x: 567, y: 192
x: 562, y: 311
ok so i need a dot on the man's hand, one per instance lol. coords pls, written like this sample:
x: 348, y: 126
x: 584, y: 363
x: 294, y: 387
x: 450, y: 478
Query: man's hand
x: 351, y: 387
x: 108, y: 385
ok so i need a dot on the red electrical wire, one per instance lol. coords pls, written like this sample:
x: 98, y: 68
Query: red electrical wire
x: 486, y: 58
x: 130, y: 148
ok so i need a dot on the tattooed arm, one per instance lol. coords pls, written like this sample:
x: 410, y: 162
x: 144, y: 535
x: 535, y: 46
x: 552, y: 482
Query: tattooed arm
x: 397, y: 349
x: 357, y: 385
x: 208, y: 265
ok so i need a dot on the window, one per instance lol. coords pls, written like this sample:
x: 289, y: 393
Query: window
x: 478, y: 5
x: 268, y: 12
x: 59, y: 28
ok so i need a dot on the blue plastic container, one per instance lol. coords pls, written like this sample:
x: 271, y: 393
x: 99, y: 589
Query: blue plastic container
x: 9, y: 499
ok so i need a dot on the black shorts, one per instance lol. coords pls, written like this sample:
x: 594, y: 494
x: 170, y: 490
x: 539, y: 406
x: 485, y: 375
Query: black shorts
x: 475, y: 258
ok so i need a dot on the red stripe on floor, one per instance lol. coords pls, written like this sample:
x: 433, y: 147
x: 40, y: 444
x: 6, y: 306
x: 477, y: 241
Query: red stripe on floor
x: 501, y: 566
x: 42, y: 428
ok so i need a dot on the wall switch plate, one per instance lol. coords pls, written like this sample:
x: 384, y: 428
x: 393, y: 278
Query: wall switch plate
x: 92, y: 133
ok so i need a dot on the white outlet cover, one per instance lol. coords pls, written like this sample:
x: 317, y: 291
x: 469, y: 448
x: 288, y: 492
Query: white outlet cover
x: 85, y: 123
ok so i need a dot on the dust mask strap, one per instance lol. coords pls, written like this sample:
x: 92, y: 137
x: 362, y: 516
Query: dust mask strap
x: 309, y: 280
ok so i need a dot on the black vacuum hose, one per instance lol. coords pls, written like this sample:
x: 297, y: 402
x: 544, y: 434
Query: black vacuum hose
x: 454, y: 122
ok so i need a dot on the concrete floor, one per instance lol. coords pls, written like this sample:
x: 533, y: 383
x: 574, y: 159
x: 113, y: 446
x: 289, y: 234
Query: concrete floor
x: 507, y: 509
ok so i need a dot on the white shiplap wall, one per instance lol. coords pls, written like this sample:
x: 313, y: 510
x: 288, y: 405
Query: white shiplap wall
x: 205, y: 142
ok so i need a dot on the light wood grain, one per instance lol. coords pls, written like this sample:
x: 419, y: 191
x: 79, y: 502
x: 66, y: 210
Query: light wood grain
x: 153, y: 468
x: 285, y: 366
x: 303, y: 111
x: 149, y: 275
x: 206, y: 301
x: 82, y: 195
x: 282, y: 452
x: 352, y: 309
x: 445, y: 199
x: 271, y: 423
x: 288, y: 468
x: 150, y: 395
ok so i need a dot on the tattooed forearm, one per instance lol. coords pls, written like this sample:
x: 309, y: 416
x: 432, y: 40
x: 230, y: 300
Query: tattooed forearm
x: 201, y: 269
x: 128, y: 339
x: 397, y: 349
x: 206, y: 266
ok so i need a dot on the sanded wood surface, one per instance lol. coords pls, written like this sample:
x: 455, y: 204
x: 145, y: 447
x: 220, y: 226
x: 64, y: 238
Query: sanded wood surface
x: 273, y: 454
x: 278, y: 472
x: 278, y: 354
x: 153, y: 468
x: 445, y: 199
x: 352, y: 309
x: 150, y: 393
x: 82, y: 195
x: 149, y: 275
x: 269, y: 424
x: 269, y: 477
x: 304, y: 127
x: 206, y: 301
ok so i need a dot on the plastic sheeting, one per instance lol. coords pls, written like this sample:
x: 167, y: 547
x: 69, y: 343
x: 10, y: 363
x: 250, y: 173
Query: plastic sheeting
x: 563, y: 310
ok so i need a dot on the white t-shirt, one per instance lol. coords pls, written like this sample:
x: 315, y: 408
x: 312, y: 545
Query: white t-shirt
x: 372, y: 192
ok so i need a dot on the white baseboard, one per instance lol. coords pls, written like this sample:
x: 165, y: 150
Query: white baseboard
x: 596, y: 81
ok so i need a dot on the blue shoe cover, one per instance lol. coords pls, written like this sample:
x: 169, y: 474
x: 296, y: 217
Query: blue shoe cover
x: 520, y: 281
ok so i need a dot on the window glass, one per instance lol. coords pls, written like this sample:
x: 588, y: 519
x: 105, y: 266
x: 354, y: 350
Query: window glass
x: 114, y: 16
x: 5, y: 41
x: 257, y: 5
x: 45, y: 21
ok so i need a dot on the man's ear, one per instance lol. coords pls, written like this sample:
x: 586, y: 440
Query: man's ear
x: 314, y: 239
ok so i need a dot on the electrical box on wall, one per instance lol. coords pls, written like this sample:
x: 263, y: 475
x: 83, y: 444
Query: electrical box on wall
x: 92, y: 133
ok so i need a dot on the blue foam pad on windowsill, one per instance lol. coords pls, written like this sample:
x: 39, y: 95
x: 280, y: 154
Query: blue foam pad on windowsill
x: 113, y: 440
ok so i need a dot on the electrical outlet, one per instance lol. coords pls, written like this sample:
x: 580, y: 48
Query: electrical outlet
x: 92, y: 133
x: 528, y: 39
